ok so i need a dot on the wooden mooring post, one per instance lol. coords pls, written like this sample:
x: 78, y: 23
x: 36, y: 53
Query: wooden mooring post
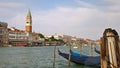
x: 69, y: 55
x: 54, y: 56
x: 80, y: 48
x: 110, y: 49
x: 91, y: 49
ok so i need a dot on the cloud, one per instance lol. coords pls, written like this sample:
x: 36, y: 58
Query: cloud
x: 113, y: 2
x: 113, y: 6
x: 105, y: 5
x: 9, y: 10
x: 82, y: 22
x: 17, y: 21
x: 10, y: 5
x: 85, y: 4
x: 88, y: 21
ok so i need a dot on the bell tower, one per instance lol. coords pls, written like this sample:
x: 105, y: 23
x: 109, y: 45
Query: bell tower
x: 28, y: 26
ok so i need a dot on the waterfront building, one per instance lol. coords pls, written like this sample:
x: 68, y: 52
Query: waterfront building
x: 36, y: 40
x: 97, y: 42
x: 17, y: 37
x: 81, y: 41
x: 47, y: 36
x: 53, y: 39
x: 58, y: 36
x: 71, y: 39
x: 67, y: 39
x: 3, y: 34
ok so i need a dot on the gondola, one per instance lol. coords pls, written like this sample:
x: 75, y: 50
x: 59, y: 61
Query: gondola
x: 97, y: 51
x: 81, y: 59
x: 78, y: 55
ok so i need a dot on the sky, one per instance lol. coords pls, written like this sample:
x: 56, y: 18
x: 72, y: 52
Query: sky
x: 80, y: 18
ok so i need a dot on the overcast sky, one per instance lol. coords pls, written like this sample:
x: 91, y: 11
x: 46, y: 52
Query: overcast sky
x: 80, y: 18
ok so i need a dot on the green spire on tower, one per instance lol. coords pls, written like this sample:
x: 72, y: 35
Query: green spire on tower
x: 29, y: 13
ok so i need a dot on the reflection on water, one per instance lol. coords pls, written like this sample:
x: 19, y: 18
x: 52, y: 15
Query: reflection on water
x: 33, y: 57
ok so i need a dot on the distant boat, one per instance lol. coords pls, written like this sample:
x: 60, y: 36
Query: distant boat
x: 9, y: 45
x: 81, y: 59
x: 65, y: 45
x: 75, y: 45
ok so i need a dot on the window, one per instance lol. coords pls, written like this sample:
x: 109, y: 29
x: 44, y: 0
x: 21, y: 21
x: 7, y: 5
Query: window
x: 0, y: 31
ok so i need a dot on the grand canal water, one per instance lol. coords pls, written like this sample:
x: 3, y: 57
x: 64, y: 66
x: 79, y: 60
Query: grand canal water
x: 35, y: 57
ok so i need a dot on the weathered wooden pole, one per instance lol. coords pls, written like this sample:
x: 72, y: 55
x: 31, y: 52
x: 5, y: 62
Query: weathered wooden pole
x: 54, y: 56
x: 91, y: 49
x: 69, y: 55
x: 80, y: 48
x: 103, y: 54
x: 110, y: 48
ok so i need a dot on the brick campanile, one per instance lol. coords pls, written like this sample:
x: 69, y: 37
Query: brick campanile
x: 28, y: 26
